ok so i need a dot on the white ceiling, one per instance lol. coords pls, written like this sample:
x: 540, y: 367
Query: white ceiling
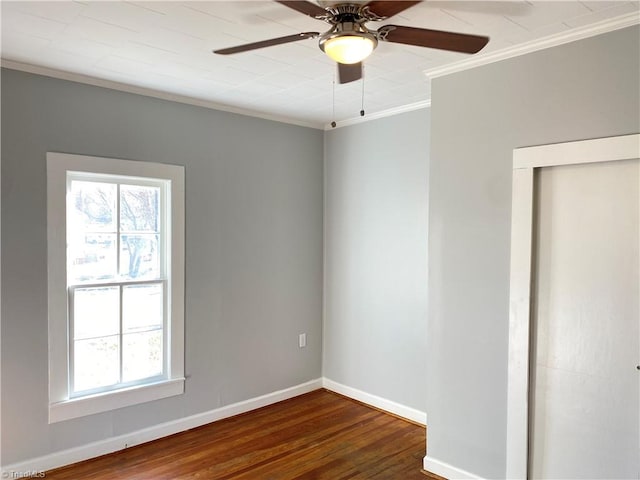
x: 166, y: 47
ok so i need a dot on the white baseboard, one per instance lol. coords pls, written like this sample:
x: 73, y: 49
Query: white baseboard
x: 109, y: 445
x: 113, y: 444
x: 445, y: 470
x: 375, y: 401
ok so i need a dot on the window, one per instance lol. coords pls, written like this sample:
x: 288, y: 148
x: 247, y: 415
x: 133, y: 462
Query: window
x: 116, y: 283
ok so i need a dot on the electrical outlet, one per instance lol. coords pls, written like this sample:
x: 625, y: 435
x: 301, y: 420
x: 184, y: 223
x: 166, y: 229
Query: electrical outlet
x: 302, y: 340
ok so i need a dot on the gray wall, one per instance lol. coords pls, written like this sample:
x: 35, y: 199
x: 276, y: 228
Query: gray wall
x: 376, y: 178
x: 253, y: 249
x: 581, y: 90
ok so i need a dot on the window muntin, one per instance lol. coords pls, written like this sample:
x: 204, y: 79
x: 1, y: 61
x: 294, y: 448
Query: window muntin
x: 117, y: 282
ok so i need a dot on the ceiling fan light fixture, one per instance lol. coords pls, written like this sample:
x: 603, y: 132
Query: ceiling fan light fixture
x: 348, y: 42
x: 349, y: 49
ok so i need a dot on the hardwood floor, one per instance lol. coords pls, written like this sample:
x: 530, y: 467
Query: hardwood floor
x: 319, y: 435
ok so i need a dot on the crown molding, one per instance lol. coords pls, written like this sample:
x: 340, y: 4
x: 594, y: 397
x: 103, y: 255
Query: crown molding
x: 572, y: 35
x: 149, y: 92
x: 381, y: 114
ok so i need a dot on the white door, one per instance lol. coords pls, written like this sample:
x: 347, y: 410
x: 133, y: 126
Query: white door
x: 584, y: 410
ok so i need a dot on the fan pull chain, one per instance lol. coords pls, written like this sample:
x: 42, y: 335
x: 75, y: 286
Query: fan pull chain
x: 362, y: 107
x: 333, y: 115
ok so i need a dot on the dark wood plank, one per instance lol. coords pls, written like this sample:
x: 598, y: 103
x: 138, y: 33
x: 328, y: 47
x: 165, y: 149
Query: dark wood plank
x: 319, y: 435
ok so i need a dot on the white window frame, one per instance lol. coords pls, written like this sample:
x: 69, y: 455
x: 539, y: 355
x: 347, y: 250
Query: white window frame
x: 62, y: 405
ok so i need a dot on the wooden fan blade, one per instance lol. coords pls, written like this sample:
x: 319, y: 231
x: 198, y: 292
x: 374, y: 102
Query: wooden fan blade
x: 349, y: 73
x: 422, y: 37
x: 266, y: 43
x: 306, y: 8
x: 386, y: 9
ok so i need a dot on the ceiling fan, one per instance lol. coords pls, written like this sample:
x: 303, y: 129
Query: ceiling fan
x: 349, y: 41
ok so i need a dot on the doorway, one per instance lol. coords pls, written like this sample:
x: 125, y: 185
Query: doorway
x: 574, y: 339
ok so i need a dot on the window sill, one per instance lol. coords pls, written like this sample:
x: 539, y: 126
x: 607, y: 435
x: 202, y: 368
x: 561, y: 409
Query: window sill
x: 104, y: 402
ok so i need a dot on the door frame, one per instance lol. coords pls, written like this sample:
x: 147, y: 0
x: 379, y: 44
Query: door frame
x: 525, y: 161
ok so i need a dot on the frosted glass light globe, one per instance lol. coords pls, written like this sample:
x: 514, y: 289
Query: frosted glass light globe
x: 348, y: 49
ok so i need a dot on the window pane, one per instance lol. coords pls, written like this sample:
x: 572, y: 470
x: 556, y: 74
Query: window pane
x: 92, y: 257
x: 139, y: 208
x: 96, y: 312
x: 96, y: 363
x: 139, y: 256
x: 141, y: 355
x: 142, y: 308
x: 92, y: 206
